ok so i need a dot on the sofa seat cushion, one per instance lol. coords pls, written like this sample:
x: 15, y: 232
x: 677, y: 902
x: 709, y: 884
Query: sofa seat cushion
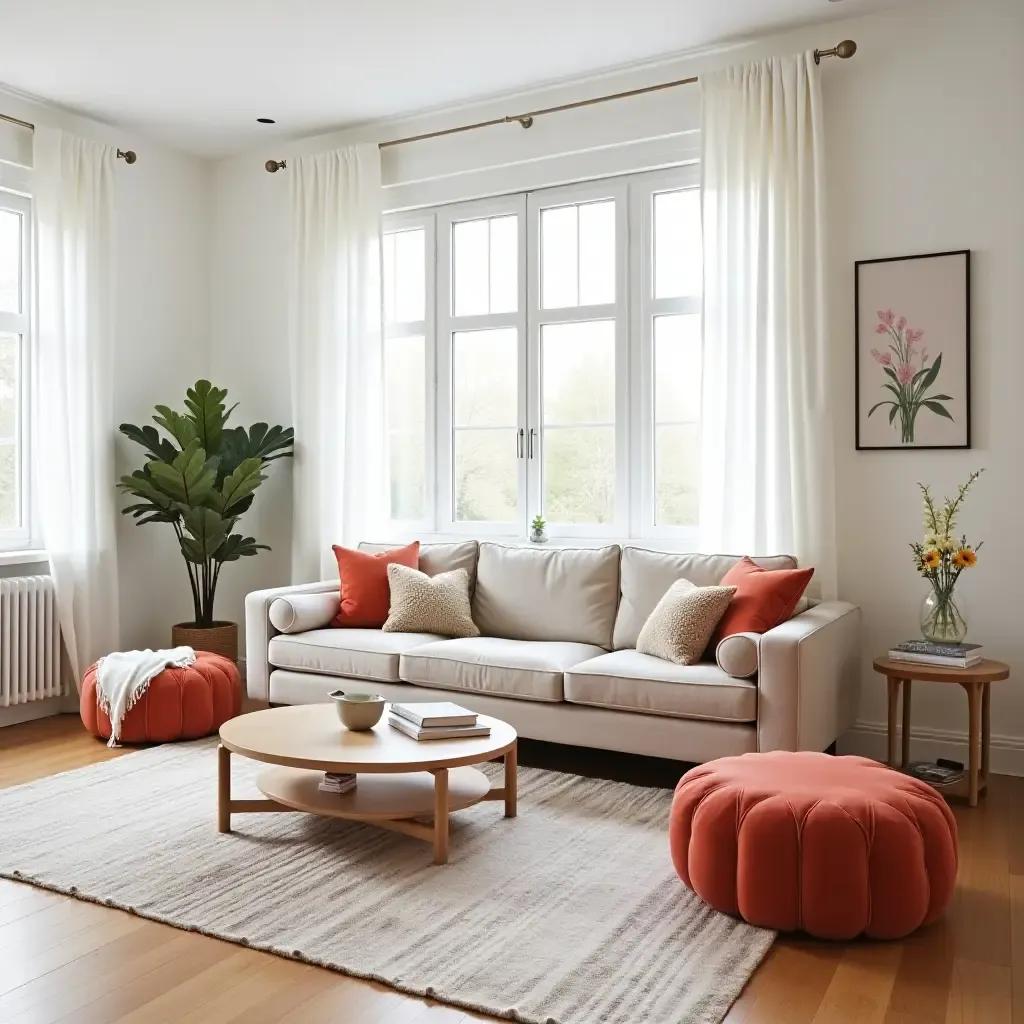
x: 527, y: 669
x: 356, y: 653
x: 630, y: 681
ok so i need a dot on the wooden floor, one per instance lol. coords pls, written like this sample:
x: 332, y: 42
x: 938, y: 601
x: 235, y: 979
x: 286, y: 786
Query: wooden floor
x: 65, y: 960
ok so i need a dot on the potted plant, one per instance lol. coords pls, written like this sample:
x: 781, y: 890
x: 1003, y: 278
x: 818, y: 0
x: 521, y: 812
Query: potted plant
x: 538, y: 530
x: 201, y: 479
x: 940, y: 560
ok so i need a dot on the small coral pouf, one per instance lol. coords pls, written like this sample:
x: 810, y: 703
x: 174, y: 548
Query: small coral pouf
x: 180, y: 704
x: 833, y: 846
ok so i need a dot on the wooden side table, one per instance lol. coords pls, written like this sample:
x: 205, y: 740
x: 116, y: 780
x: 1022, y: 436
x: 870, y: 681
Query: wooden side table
x: 977, y: 682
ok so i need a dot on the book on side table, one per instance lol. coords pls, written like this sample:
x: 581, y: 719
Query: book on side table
x: 440, y: 720
x: 924, y: 652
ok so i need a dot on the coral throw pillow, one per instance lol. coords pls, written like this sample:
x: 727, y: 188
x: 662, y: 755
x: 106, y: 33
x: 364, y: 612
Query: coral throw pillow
x: 763, y: 598
x: 365, y: 594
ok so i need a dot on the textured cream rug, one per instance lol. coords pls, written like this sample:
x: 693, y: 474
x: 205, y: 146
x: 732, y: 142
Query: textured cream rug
x: 569, y: 914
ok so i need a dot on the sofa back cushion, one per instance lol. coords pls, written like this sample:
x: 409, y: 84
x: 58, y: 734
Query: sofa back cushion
x: 567, y: 594
x: 438, y: 558
x: 647, y: 575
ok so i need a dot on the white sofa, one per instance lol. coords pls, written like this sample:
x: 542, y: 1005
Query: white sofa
x: 557, y: 657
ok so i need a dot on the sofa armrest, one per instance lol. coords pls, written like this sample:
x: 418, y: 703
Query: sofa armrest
x: 259, y: 631
x: 809, y: 678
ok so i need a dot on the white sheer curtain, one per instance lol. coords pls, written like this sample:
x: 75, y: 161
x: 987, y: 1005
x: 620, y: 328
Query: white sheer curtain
x: 767, y: 476
x: 73, y: 407
x: 337, y: 357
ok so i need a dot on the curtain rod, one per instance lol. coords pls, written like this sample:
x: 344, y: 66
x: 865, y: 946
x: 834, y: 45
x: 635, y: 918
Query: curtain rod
x: 128, y: 156
x: 844, y: 50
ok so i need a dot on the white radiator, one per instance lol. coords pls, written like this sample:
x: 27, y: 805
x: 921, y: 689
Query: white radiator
x: 29, y: 640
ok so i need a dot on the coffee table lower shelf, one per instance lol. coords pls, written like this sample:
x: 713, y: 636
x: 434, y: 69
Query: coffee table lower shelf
x: 396, y: 801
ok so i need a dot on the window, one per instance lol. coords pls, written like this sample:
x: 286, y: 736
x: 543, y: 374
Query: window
x: 15, y: 226
x: 543, y: 357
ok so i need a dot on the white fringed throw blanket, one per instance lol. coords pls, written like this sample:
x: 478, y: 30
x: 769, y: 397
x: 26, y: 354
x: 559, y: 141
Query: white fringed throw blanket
x: 122, y: 678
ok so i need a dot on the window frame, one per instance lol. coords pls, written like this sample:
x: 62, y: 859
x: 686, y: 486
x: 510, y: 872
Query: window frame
x: 448, y: 324
x: 538, y: 318
x: 633, y: 311
x: 645, y: 499
x: 394, y: 224
x: 21, y: 537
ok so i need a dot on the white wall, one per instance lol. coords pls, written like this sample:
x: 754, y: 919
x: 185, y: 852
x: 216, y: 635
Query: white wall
x: 162, y: 343
x: 925, y: 150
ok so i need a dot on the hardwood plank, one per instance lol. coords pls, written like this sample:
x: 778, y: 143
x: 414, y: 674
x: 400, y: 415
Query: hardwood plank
x: 1017, y: 947
x: 861, y: 985
x: 920, y: 990
x: 240, y: 999
x: 980, y: 994
x: 789, y: 986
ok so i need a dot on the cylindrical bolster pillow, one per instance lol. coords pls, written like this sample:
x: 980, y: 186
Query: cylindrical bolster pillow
x: 739, y: 655
x: 302, y: 612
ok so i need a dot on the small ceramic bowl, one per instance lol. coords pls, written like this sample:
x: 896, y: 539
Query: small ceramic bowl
x: 358, y: 711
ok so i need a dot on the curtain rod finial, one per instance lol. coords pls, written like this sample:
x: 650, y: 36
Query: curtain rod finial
x: 128, y: 156
x: 273, y: 166
x: 846, y: 49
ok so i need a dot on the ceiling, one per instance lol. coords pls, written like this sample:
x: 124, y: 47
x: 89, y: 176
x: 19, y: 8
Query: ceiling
x: 197, y: 73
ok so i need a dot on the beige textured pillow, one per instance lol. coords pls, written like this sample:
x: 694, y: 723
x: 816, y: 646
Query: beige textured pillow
x: 681, y: 625
x: 429, y: 604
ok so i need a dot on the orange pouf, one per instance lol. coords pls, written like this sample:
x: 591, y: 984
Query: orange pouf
x: 180, y: 704
x: 833, y: 846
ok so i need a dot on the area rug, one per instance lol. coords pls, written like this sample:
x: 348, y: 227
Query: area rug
x: 568, y: 914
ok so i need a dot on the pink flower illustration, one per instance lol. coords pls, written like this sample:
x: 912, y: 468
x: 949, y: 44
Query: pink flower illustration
x: 887, y: 316
x: 901, y: 323
x: 885, y: 358
x: 905, y: 373
x: 913, y: 337
x: 881, y: 329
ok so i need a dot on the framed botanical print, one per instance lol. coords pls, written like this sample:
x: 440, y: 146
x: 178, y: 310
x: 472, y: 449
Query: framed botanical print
x: 913, y: 354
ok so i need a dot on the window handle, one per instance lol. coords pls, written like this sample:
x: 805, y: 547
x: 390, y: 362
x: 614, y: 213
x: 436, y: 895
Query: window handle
x: 519, y: 443
x: 533, y: 434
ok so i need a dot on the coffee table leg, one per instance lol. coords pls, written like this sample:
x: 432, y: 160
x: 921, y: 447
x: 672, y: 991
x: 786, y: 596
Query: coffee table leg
x: 894, y: 698
x: 223, y: 789
x: 974, y: 695
x: 441, y: 816
x: 905, y: 731
x: 511, y: 793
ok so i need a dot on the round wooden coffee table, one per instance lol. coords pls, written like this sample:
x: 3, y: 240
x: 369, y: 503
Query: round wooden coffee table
x: 400, y: 779
x: 976, y: 681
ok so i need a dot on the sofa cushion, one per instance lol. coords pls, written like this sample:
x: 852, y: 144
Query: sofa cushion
x: 646, y: 575
x: 528, y: 669
x: 739, y: 655
x: 567, y: 594
x: 298, y: 613
x: 630, y: 681
x: 438, y: 558
x: 356, y: 653
x: 365, y: 595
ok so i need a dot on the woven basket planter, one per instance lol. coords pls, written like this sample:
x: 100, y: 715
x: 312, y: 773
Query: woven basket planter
x: 220, y: 638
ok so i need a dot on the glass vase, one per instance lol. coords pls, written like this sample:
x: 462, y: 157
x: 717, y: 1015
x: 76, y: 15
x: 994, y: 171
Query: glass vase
x: 944, y: 618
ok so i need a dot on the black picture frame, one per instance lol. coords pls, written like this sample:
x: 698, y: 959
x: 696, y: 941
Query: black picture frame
x: 858, y: 352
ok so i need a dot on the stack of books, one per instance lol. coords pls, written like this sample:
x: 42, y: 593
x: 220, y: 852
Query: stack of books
x: 337, y: 782
x: 924, y: 652
x: 440, y: 720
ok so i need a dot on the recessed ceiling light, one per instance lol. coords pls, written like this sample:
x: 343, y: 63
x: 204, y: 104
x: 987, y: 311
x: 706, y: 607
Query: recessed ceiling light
x: 266, y: 120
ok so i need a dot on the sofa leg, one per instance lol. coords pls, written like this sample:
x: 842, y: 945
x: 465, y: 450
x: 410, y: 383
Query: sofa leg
x: 831, y: 748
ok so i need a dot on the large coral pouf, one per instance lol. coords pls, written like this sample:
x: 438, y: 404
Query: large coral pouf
x: 180, y: 704
x: 833, y: 846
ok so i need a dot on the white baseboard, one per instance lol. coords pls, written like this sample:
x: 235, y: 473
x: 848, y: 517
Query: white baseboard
x: 870, y: 739
x: 30, y: 712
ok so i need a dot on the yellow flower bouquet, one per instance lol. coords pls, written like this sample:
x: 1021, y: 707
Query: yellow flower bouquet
x: 940, y: 559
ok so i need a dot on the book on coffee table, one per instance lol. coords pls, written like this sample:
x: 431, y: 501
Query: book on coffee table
x: 924, y: 652
x: 437, y: 732
x: 434, y: 713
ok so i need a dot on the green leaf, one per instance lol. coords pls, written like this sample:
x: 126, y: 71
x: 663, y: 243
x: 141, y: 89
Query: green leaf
x: 878, y: 405
x: 941, y: 410
x: 188, y: 479
x: 938, y: 398
x: 142, y: 485
x: 207, y: 529
x: 238, y: 485
x: 890, y: 372
x: 150, y: 439
x: 933, y: 372
x: 892, y: 413
x: 181, y: 428
x: 205, y: 404
x: 895, y: 390
x: 236, y: 546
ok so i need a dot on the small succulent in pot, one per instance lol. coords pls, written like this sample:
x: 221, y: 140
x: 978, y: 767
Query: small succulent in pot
x: 538, y: 530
